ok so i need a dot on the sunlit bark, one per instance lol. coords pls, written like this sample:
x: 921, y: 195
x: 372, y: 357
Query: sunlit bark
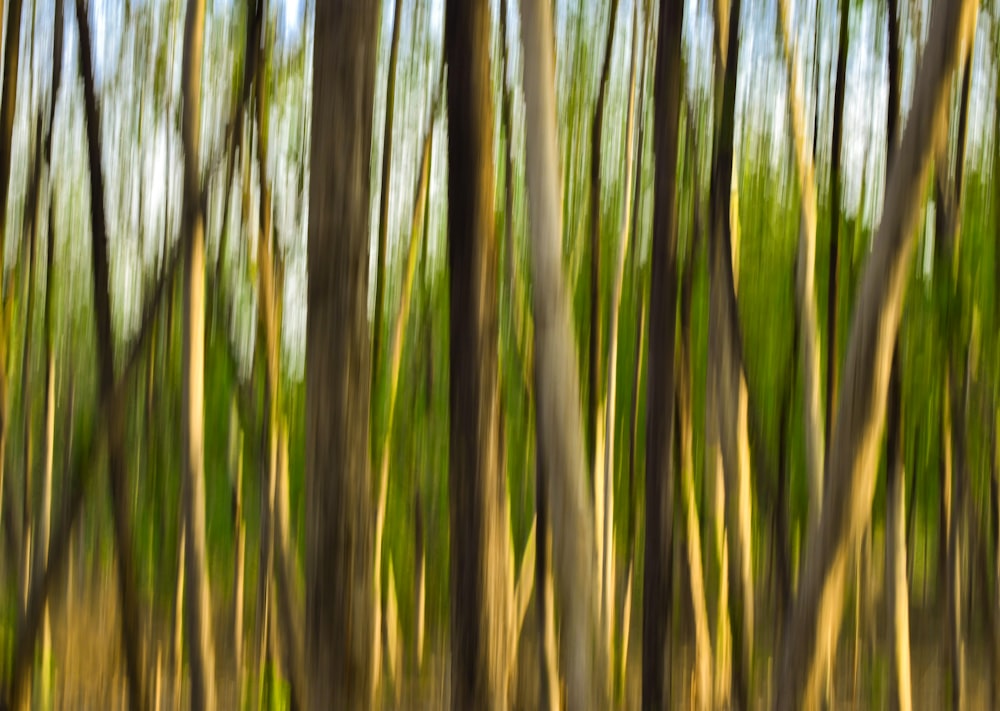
x: 857, y: 432
x: 727, y: 386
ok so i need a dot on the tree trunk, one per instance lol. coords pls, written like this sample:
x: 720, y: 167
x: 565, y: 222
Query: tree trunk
x: 481, y: 586
x: 594, y: 376
x: 808, y: 326
x: 201, y: 646
x: 897, y: 596
x: 339, y: 601
x: 727, y: 383
x: 105, y: 343
x: 413, y: 253
x: 832, y: 353
x: 561, y: 448
x: 860, y: 413
x: 895, y: 555
x: 607, y: 573
x: 702, y: 637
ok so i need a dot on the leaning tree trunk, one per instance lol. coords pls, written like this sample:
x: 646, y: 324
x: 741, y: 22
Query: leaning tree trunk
x: 726, y: 381
x: 861, y: 410
x: 481, y: 591
x: 116, y: 422
x: 897, y: 597
x: 339, y: 602
x: 201, y: 646
x: 561, y: 447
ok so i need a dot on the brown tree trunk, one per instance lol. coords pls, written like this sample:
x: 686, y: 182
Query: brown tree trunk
x: 105, y: 343
x: 860, y: 413
x: 838, y: 130
x: 657, y: 583
x: 338, y: 491
x: 481, y: 591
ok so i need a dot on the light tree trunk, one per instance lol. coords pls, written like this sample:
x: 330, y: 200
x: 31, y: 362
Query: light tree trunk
x: 413, y: 254
x: 201, y: 646
x: 808, y: 327
x: 50, y: 360
x: 857, y: 432
x: 897, y: 596
x: 481, y: 586
x: 595, y: 351
x: 381, y: 274
x: 895, y: 559
x: 703, y: 656
x: 276, y: 551
x: 608, y: 579
x: 561, y: 448
x: 339, y: 540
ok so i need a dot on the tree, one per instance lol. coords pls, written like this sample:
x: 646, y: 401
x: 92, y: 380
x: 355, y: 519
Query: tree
x: 657, y: 583
x: 201, y: 644
x: 481, y: 587
x: 338, y: 483
x: 558, y: 418
x: 102, y: 301
x: 861, y: 408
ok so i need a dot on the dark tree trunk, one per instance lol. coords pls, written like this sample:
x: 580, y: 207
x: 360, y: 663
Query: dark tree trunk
x: 339, y: 602
x: 480, y: 581
x: 657, y: 583
x: 831, y: 306
x: 102, y: 302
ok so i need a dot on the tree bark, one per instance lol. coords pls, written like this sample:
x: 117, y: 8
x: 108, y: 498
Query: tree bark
x: 481, y: 585
x: 338, y: 493
x: 657, y: 583
x: 832, y: 353
x: 558, y: 419
x: 105, y: 343
x: 860, y: 413
x: 201, y: 645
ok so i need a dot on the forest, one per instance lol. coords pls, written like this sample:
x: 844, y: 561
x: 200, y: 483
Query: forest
x: 500, y: 354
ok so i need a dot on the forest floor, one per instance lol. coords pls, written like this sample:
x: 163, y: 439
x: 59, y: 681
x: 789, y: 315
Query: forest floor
x: 89, y: 672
